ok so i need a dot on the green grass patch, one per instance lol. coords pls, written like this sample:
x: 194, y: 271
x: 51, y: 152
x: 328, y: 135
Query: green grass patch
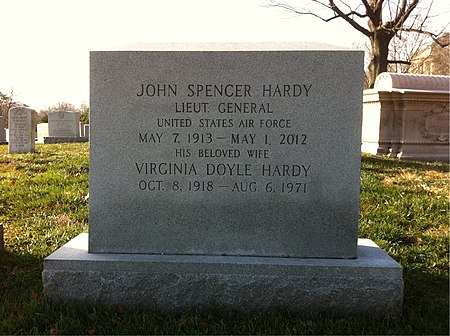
x: 404, y: 209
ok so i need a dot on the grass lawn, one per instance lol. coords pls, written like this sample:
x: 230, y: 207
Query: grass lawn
x: 404, y: 209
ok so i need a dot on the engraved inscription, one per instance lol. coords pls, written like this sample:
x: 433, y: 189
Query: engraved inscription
x: 227, y: 132
x: 435, y: 124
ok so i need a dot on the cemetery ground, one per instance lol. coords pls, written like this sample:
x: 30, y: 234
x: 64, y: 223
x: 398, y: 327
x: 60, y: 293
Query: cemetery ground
x: 404, y: 209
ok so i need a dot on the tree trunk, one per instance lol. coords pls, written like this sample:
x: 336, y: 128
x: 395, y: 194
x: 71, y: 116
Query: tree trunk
x: 379, y: 51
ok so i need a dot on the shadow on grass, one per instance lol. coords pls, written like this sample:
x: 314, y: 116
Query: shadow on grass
x: 426, y: 302
x: 19, y: 272
x: 20, y: 292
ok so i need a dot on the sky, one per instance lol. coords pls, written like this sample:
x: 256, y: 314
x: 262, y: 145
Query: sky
x: 44, y: 56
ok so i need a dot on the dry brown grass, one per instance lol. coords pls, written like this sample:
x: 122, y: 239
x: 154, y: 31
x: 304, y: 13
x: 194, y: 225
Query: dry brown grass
x: 432, y: 181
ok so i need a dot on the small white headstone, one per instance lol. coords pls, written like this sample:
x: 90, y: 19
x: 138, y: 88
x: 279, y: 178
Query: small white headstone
x: 81, y: 129
x: 42, y: 131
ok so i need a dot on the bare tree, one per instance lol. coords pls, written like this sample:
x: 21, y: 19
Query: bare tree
x: 84, y: 109
x: 379, y: 20
x: 6, y: 102
x: 403, y: 49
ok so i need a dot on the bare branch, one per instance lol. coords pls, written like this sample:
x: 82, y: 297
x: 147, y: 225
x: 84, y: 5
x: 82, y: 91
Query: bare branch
x: 347, y: 17
x: 338, y: 14
x: 368, y: 7
x: 399, y: 62
x: 433, y: 36
x: 349, y: 8
x: 301, y: 11
x: 404, y: 13
x: 402, y: 9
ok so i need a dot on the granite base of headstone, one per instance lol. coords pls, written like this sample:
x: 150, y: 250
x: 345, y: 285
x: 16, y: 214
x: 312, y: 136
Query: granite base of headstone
x: 55, y: 140
x: 230, y: 181
x: 370, y: 284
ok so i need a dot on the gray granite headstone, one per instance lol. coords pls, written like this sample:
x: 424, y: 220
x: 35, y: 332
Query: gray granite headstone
x: 229, y: 152
x: 214, y: 171
x: 64, y: 124
x: 22, y: 130
x: 2, y: 130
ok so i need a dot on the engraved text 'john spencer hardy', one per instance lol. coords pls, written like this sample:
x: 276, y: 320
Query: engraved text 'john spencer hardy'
x: 224, y: 90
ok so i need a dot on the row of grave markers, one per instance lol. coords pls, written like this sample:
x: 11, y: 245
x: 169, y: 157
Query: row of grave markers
x: 61, y: 127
